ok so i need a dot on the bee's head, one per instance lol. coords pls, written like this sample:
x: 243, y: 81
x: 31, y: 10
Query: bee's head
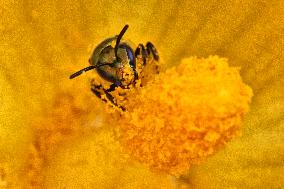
x: 112, y: 60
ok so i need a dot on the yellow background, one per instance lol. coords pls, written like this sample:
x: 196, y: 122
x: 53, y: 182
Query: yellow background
x: 42, y: 42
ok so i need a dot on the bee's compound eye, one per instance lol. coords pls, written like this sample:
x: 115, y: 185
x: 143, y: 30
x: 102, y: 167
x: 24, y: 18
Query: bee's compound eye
x: 107, y: 55
x: 130, y: 55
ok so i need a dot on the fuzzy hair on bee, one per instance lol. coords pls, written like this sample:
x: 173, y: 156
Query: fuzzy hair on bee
x: 116, y: 62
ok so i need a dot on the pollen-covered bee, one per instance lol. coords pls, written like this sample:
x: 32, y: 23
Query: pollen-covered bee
x: 116, y: 62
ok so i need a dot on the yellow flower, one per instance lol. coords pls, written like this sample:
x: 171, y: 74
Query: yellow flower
x: 53, y: 131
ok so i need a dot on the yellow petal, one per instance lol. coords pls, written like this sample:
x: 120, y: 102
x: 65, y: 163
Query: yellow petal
x: 97, y: 161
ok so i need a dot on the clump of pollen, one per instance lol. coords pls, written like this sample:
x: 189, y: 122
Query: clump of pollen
x: 184, y: 114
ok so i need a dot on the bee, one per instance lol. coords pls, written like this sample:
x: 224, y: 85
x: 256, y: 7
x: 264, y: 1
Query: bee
x: 115, y: 61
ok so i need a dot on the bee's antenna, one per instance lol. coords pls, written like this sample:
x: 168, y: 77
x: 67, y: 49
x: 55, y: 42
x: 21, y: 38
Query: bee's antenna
x: 76, y: 74
x: 82, y: 71
x: 118, y: 40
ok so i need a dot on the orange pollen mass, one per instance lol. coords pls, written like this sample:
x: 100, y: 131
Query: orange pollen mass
x: 185, y: 114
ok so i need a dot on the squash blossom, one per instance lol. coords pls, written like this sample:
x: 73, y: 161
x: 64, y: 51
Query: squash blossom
x: 55, y: 133
x: 185, y: 114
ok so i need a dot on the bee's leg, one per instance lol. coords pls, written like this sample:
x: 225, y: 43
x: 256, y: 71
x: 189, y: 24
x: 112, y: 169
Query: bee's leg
x: 141, y: 51
x: 99, y: 91
x: 141, y: 54
x: 152, y: 50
